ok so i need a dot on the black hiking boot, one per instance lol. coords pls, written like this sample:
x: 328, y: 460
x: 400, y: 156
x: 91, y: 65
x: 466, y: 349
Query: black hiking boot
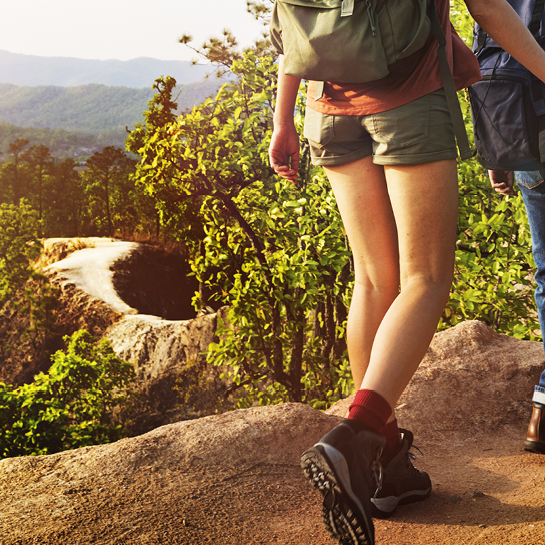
x: 345, y: 467
x: 401, y: 481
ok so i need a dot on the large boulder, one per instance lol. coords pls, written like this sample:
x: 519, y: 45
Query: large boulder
x: 470, y: 376
x: 179, y: 484
x: 235, y: 477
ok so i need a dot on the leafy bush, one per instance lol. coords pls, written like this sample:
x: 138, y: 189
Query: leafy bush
x: 493, y: 281
x: 67, y: 407
x: 274, y: 253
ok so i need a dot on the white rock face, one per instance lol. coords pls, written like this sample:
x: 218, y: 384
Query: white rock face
x: 157, y: 347
x: 470, y: 376
x: 90, y: 270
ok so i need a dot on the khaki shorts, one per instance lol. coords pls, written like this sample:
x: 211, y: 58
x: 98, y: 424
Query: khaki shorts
x: 418, y: 132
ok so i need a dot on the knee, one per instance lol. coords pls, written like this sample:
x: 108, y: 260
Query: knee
x: 434, y: 287
x: 383, y: 285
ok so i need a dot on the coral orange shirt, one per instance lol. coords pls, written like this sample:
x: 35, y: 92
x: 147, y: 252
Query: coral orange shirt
x: 393, y: 91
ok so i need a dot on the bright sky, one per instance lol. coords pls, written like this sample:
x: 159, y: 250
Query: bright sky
x: 119, y: 29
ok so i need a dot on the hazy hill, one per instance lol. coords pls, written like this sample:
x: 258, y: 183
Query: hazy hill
x: 62, y: 144
x: 88, y: 108
x: 30, y: 70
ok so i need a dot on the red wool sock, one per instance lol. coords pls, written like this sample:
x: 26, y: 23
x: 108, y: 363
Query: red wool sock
x: 391, y: 434
x: 371, y: 409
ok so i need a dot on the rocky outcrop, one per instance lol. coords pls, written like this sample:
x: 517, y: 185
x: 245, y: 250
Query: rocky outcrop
x: 470, y: 376
x: 90, y: 269
x: 95, y: 277
x: 86, y: 278
x: 145, y: 490
x: 235, y: 477
x: 158, y: 347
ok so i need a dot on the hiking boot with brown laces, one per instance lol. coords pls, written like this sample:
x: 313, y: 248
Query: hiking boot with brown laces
x: 401, y: 481
x: 535, y: 440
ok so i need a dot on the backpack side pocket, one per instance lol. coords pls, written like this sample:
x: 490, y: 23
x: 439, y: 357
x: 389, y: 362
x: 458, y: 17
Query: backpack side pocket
x: 405, y: 27
x: 504, y: 124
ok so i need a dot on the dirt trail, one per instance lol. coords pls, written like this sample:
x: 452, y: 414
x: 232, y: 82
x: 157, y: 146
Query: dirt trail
x: 486, y: 489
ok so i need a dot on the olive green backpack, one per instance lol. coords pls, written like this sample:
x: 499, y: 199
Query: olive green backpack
x: 356, y: 41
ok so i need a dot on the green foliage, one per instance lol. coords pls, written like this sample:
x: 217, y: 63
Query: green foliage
x: 493, y: 281
x: 283, y: 337
x: 108, y: 184
x: 19, y: 244
x: 462, y: 21
x: 68, y: 407
x: 274, y: 253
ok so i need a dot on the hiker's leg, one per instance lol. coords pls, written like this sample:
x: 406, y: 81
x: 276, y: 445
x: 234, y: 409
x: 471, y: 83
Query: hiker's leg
x: 532, y: 189
x: 418, y: 206
x: 363, y: 200
x: 425, y: 205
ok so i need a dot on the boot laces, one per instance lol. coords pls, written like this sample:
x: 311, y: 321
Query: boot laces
x: 378, y: 472
x: 412, y: 456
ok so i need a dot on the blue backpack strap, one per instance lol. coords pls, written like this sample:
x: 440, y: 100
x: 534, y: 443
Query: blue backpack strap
x: 535, y: 21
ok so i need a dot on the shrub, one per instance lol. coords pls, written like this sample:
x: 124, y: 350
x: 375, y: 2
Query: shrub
x: 67, y: 407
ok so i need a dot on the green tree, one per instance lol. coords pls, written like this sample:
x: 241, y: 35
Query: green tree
x: 104, y: 181
x: 19, y: 245
x: 273, y: 252
x: 65, y: 201
x: 40, y: 162
x: 13, y: 179
x: 69, y: 406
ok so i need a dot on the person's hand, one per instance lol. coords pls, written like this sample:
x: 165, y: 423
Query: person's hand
x: 502, y: 181
x: 284, y: 151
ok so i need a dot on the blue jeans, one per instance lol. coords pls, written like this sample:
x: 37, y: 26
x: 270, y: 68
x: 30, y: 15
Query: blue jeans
x: 532, y: 189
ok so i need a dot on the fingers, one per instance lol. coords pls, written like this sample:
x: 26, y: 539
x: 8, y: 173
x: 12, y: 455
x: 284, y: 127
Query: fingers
x: 281, y: 165
x: 290, y: 174
x: 502, y: 181
x: 503, y: 188
x: 504, y: 191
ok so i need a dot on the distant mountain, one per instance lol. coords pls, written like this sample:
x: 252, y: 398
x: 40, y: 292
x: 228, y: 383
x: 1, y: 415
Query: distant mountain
x: 62, y: 144
x: 30, y: 70
x: 88, y: 108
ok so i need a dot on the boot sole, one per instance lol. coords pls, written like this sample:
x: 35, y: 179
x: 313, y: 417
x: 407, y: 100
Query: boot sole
x: 385, y: 507
x: 535, y: 447
x: 343, y: 514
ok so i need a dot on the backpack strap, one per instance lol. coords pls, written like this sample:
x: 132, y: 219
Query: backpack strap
x: 450, y: 88
x: 481, y: 39
x: 535, y: 21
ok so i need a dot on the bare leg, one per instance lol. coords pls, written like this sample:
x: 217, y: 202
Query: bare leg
x: 406, y: 226
x: 362, y: 197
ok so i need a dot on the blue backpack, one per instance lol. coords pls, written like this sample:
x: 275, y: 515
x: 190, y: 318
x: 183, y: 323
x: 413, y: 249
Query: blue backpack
x: 508, y: 104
